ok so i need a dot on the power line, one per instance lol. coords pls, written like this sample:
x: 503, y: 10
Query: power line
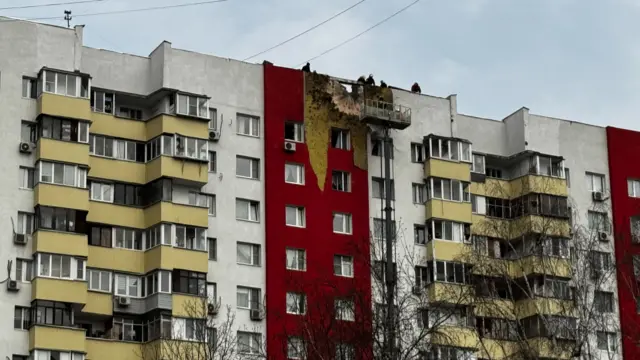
x: 306, y: 31
x: 359, y: 34
x: 51, y: 4
x: 124, y: 11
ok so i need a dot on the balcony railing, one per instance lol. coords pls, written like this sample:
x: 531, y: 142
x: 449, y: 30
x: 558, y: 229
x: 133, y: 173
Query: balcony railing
x: 385, y: 113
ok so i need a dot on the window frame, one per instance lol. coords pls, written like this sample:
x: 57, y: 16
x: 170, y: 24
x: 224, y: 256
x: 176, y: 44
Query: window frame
x: 296, y: 303
x: 109, y: 280
x: 294, y: 168
x: 347, y: 223
x: 418, y: 155
x: 344, y: 306
x: 254, y: 166
x: 199, y: 106
x: 343, y: 262
x: 298, y: 131
x: 251, y: 205
x: 254, y: 125
x: 297, y: 256
x: 343, y: 139
x: 128, y: 284
x: 594, y: 178
x: 255, y: 251
x: 300, y: 216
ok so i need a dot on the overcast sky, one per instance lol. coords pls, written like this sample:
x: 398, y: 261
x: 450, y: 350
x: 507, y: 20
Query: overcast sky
x: 572, y: 59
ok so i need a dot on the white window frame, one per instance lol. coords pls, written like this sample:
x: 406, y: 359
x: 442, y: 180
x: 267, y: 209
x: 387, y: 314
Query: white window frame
x: 213, y: 161
x: 25, y: 223
x: 478, y: 204
x: 127, y: 279
x: 47, y: 270
x: 296, y: 303
x: 249, y: 292
x: 103, y: 277
x: 344, y: 140
x: 24, y: 178
x: 345, y: 263
x: 341, y: 181
x: 253, y: 208
x: 98, y: 191
x: 462, y: 153
x: 79, y: 174
x: 297, y: 170
x: 633, y: 188
x: 346, y: 222
x: 474, y: 168
x: 255, y: 341
x: 296, y: 348
x: 254, y: 254
x: 64, y: 355
x: 611, y: 339
x: 603, y: 221
x: 254, y: 125
x: 78, y: 86
x: 300, y: 216
x: 27, y: 86
x: 182, y: 144
x: 298, y: 131
x: 104, y: 102
x: 198, y: 243
x: 418, y: 192
x: 26, y: 270
x: 417, y: 153
x: 454, y: 225
x: 298, y: 257
x: 25, y: 314
x: 254, y: 163
x: 198, y: 199
x: 593, y: 179
x: 345, y: 309
x: 202, y: 109
x: 463, y: 196
x: 136, y: 238
x: 155, y: 278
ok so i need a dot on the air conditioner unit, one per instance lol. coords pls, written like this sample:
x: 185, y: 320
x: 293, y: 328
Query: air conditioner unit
x: 212, y: 309
x: 25, y: 148
x: 416, y: 290
x: 597, y: 196
x: 12, y: 285
x: 20, y: 239
x: 214, y: 135
x: 289, y: 146
x: 603, y: 236
x: 124, y: 301
x: 255, y: 315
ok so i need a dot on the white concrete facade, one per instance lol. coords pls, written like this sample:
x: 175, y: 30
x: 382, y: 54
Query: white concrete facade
x: 234, y: 88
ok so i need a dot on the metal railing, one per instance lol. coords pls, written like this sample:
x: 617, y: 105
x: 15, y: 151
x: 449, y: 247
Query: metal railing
x: 385, y: 111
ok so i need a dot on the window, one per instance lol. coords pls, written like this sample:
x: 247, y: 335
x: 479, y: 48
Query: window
x: 213, y: 119
x: 125, y: 238
x: 478, y: 204
x: 635, y: 229
x: 342, y: 223
x: 102, y: 192
x: 188, y: 329
x: 449, y: 230
x: 294, y: 131
x: 494, y: 173
x: 422, y: 276
x: 294, y: 173
x: 188, y: 147
x: 65, y: 84
x: 420, y: 236
x: 296, y: 259
x: 600, y: 260
x: 417, y: 153
x: 60, y: 266
x: 51, y: 313
x: 56, y: 355
x: 345, y: 309
x: 378, y: 190
x: 60, y: 219
x: 203, y: 200
x: 633, y: 187
x: 340, y: 181
x: 451, y: 272
x: 102, y: 102
x: 156, y: 282
x: 296, y: 303
x: 125, y: 149
x: 247, y: 167
x: 296, y: 348
x: 379, y: 230
x: 100, y: 236
x: 64, y: 129
x: 607, y: 341
x: 26, y: 178
x: 499, y: 208
x: 62, y: 174
x: 247, y: 210
x: 603, y: 301
x: 340, y: 139
x: 125, y: 194
x: 450, y: 149
x: 127, y: 285
x: 28, y: 133
x: 248, y: 298
x: 213, y: 161
x: 595, y: 182
x: 193, y: 106
x: 130, y: 113
x: 345, y: 352
x: 29, y: 88
x: 21, y: 318
x: 343, y: 265
x: 598, y: 221
x: 188, y: 237
x: 567, y: 176
x: 25, y: 223
x: 189, y: 282
x: 248, y: 125
x: 378, y: 148
x: 99, y: 280
x: 417, y: 191
x: 295, y: 216
x: 212, y: 244
x: 478, y: 164
x: 248, y: 254
x: 24, y: 270
x: 249, y: 343
x: 447, y: 189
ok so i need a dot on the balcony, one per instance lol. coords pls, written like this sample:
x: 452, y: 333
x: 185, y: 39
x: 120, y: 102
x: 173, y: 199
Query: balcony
x: 124, y: 260
x: 108, y: 213
x: 447, y: 169
x: 117, y: 170
x: 110, y: 125
x: 538, y: 184
x: 545, y: 348
x: 102, y: 349
x: 449, y: 210
x: 63, y: 151
x: 446, y: 293
x: 189, y: 306
x: 166, y: 124
x: 59, y: 338
x: 541, y: 265
x: 498, y: 349
x: 61, y: 196
x: 98, y: 303
x: 60, y: 243
x: 458, y: 336
x: 447, y: 250
x: 494, y: 308
x: 190, y: 170
x: 164, y: 211
x: 545, y: 306
x: 168, y: 258
x: 64, y: 106
x: 385, y: 114
x: 68, y: 291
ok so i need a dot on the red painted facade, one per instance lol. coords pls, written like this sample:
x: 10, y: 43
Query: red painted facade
x: 284, y: 101
x: 621, y: 143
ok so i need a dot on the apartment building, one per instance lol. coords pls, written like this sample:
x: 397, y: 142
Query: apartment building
x: 134, y: 187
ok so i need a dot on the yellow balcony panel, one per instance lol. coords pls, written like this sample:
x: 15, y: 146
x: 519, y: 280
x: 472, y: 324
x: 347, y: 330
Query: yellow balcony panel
x: 189, y: 306
x: 119, y: 215
x: 63, y: 151
x: 61, y: 196
x: 124, y: 260
x: 449, y: 210
x: 56, y: 242
x: 541, y: 265
x: 103, y: 349
x: 490, y: 226
x: 177, y: 125
x: 164, y: 211
x: 189, y: 170
x: 548, y: 349
x: 448, y: 250
x: 497, y: 188
x: 447, y: 169
x: 487, y: 266
x: 545, y: 306
x: 99, y: 303
x: 458, y: 336
x: 445, y: 293
x: 538, y: 184
x: 494, y: 308
x: 56, y: 338
x: 64, y: 106
x: 167, y: 349
x: 110, y: 125
x: 117, y: 170
x: 69, y: 291
x: 168, y: 258
x: 497, y: 349
x: 545, y: 225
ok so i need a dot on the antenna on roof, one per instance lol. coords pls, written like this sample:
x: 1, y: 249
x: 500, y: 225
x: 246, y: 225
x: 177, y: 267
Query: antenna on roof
x: 67, y: 16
